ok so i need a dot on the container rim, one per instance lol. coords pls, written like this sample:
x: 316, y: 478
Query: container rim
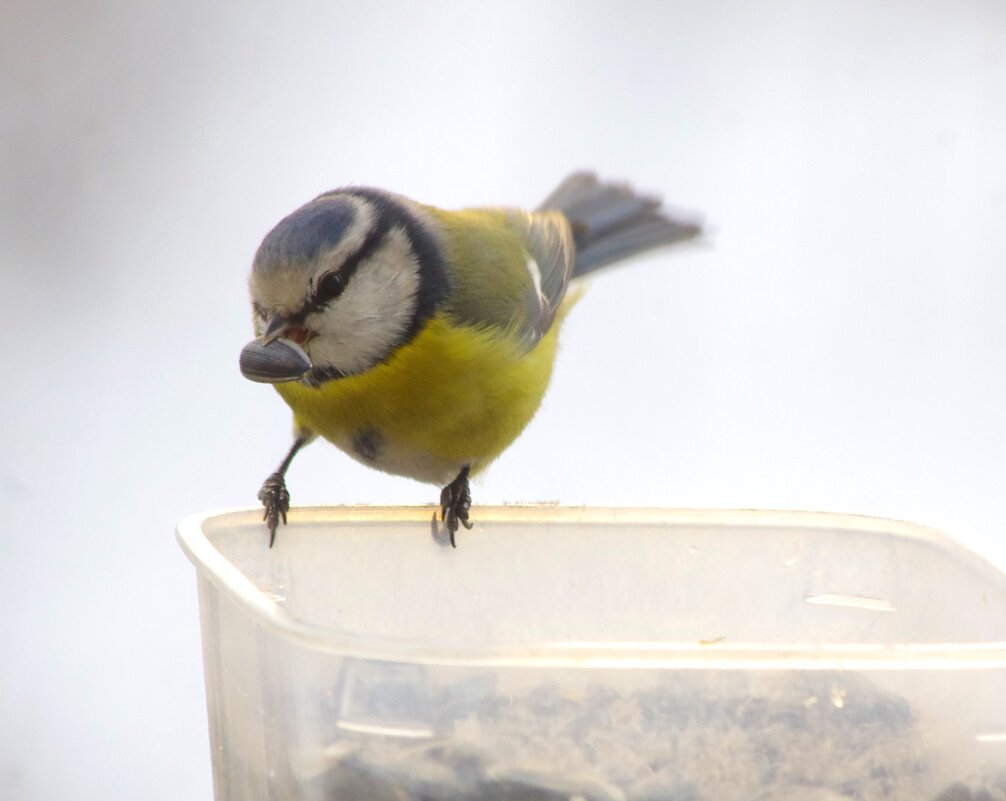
x: 218, y: 570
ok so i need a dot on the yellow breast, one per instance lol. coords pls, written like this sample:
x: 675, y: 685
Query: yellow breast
x: 452, y: 396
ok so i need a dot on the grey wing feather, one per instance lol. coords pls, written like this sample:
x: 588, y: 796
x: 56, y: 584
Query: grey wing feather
x: 582, y: 226
x: 576, y: 186
x: 611, y: 222
x: 530, y: 274
x: 550, y: 266
x: 630, y: 240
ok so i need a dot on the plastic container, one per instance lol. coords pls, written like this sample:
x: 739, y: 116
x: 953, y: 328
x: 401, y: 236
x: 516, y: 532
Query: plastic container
x: 563, y: 653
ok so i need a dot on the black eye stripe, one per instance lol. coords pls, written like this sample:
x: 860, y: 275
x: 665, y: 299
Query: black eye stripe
x: 340, y: 280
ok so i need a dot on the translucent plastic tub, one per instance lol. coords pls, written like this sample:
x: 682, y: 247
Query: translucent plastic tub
x: 599, y: 654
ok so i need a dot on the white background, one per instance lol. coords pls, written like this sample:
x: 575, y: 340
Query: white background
x: 839, y: 345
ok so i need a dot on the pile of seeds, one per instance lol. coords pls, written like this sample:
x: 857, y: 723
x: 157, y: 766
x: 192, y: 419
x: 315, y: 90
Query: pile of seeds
x: 694, y: 736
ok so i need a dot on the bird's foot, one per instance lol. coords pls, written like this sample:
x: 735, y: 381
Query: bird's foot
x: 455, y: 503
x: 276, y: 500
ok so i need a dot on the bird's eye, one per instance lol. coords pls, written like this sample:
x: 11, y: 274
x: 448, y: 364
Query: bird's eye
x: 331, y: 287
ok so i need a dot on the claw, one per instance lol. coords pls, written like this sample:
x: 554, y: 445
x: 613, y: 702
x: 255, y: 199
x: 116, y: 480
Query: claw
x: 273, y: 494
x: 276, y: 500
x: 455, y: 504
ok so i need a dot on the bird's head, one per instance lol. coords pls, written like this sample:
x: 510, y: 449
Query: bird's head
x: 348, y: 278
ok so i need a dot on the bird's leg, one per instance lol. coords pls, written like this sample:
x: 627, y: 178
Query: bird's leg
x: 455, y: 502
x: 274, y: 495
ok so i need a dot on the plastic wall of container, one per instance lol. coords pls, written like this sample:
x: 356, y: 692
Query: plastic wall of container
x: 569, y: 653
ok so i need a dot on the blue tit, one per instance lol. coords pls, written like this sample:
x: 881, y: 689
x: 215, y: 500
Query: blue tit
x: 420, y: 341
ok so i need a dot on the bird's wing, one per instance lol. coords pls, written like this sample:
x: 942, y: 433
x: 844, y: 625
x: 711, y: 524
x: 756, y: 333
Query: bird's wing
x: 511, y: 269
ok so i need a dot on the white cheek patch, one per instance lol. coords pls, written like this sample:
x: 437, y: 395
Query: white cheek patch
x: 368, y: 320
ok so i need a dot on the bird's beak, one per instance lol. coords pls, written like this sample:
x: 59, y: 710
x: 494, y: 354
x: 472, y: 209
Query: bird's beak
x: 277, y: 362
x: 277, y: 325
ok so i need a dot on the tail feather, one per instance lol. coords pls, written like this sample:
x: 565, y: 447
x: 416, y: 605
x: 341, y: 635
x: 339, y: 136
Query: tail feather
x: 611, y: 222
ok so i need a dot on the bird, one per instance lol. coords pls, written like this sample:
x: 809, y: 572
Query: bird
x: 421, y: 341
